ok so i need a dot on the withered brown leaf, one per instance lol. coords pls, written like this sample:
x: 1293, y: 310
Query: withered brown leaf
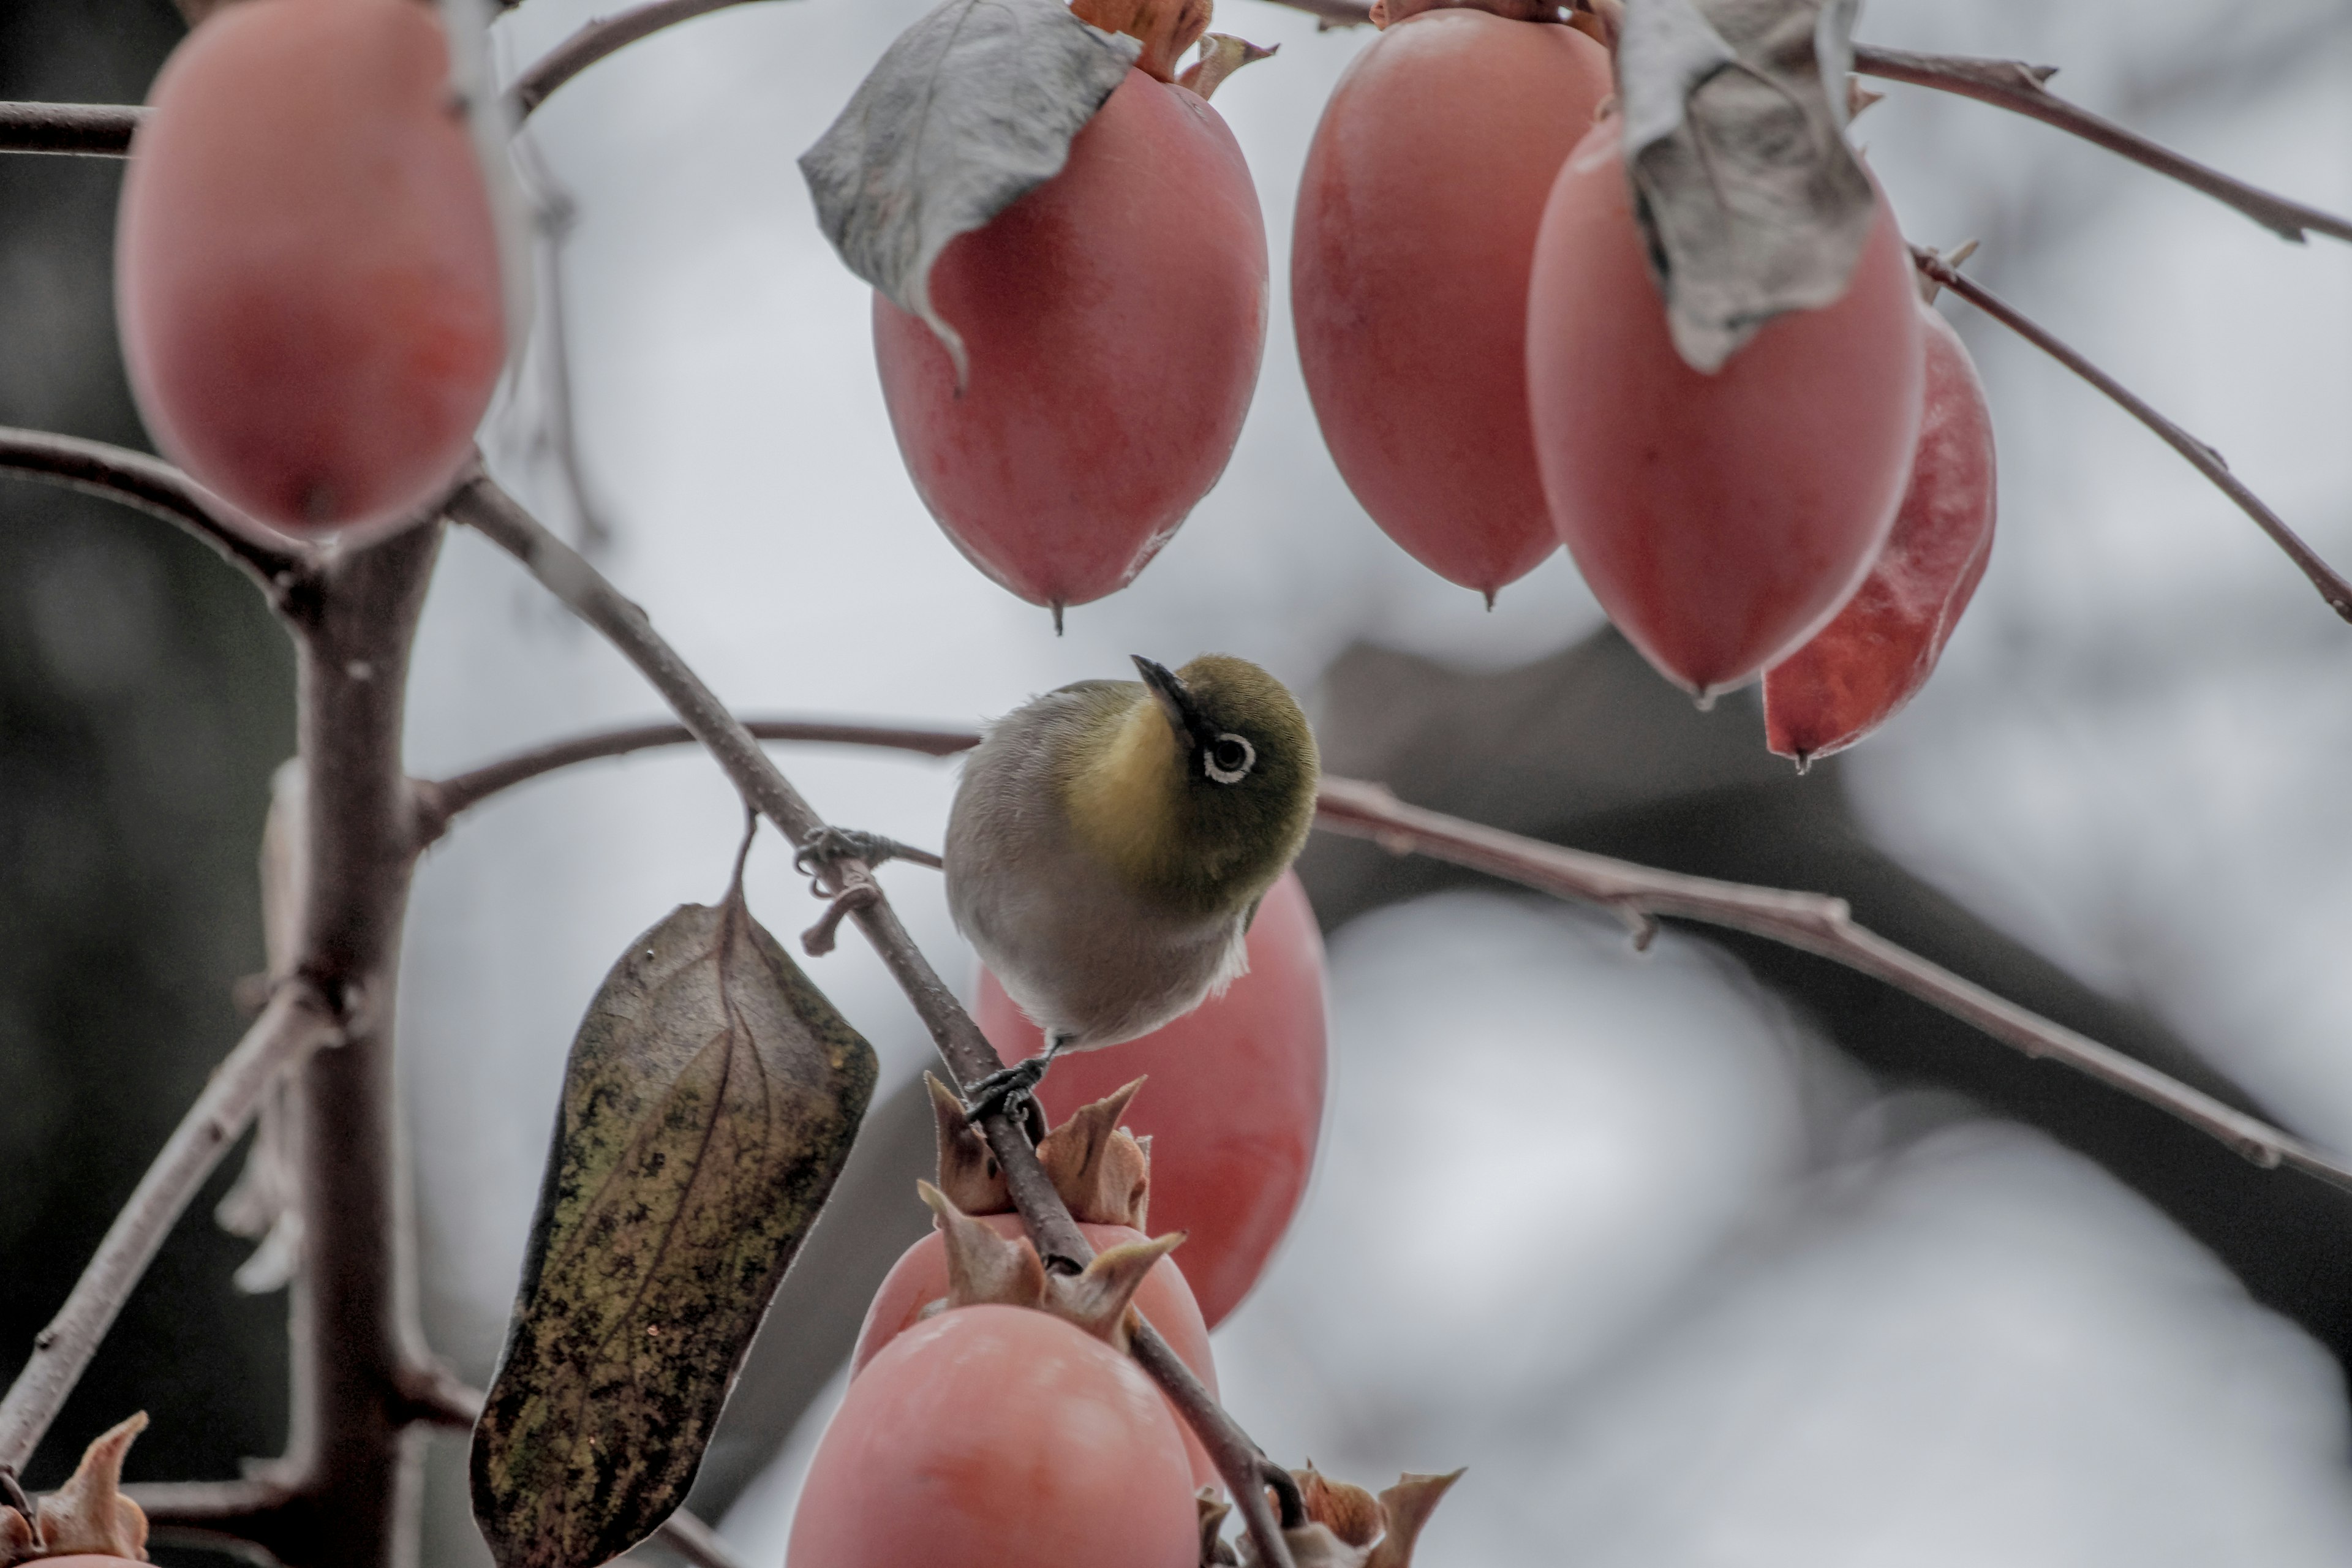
x: 709, y: 1103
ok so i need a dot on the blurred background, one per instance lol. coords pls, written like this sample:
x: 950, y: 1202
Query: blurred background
x: 1711, y: 1256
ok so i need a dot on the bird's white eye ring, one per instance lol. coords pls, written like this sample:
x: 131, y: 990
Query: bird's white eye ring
x: 1229, y: 758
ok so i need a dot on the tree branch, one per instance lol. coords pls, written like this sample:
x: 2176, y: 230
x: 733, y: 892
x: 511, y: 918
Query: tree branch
x: 91, y: 130
x: 498, y: 516
x: 1811, y: 922
x: 2017, y: 86
x: 594, y: 41
x: 296, y: 1021
x: 286, y: 571
x: 2203, y: 459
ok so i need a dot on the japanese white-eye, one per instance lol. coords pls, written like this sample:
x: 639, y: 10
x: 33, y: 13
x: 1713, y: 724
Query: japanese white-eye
x: 1110, y: 841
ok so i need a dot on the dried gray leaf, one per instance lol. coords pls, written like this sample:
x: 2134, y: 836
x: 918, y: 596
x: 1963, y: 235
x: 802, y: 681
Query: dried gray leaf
x: 709, y: 1106
x: 1749, y: 198
x: 971, y: 108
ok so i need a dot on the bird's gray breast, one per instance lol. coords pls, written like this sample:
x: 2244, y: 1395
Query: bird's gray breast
x: 1078, y: 948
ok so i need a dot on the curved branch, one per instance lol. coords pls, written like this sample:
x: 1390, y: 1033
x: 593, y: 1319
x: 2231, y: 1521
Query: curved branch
x: 2017, y: 86
x: 1811, y: 922
x: 439, y: 800
x: 498, y: 516
x: 296, y: 1021
x: 594, y: 41
x: 284, y: 569
x: 90, y: 129
x: 2331, y: 584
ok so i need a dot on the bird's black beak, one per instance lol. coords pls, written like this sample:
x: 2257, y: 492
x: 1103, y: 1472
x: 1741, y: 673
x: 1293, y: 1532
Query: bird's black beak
x: 1175, y: 698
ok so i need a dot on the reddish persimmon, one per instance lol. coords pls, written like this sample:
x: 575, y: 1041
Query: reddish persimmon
x: 921, y: 1277
x: 1720, y: 520
x: 1233, y: 1105
x: 1416, y: 228
x: 995, y: 1437
x: 1113, y: 318
x: 306, y: 272
x: 1879, y: 651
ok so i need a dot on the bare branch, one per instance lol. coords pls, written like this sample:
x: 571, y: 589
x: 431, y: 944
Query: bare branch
x: 2017, y: 86
x: 284, y: 569
x: 90, y: 129
x: 1812, y: 923
x: 596, y: 39
x: 501, y: 519
x: 439, y: 801
x: 2203, y: 459
x: 295, y: 1022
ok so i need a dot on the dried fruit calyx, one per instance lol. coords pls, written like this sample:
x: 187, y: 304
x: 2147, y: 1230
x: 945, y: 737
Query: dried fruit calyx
x: 1102, y: 1170
x: 1167, y: 27
x: 89, y: 1514
x: 1346, y: 1527
x: 988, y: 1269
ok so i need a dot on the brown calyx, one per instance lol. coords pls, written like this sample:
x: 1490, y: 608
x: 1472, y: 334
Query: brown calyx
x: 1222, y: 54
x: 1346, y: 1527
x: 89, y: 1514
x: 988, y: 1269
x: 1099, y: 1167
x: 1102, y: 1170
x: 1167, y: 27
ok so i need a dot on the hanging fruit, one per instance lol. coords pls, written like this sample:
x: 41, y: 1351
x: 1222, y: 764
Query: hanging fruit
x: 1409, y: 267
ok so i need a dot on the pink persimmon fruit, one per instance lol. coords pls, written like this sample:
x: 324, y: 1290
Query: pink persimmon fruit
x: 1879, y: 651
x: 1234, y: 1103
x: 1113, y: 319
x: 1409, y: 265
x: 306, y: 270
x: 998, y: 1437
x: 1721, y: 518
x: 921, y: 1277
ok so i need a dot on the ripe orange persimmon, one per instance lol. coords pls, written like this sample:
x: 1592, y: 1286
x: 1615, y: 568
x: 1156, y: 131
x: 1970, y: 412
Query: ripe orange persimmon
x: 921, y: 1277
x: 1114, y: 317
x: 306, y: 270
x: 1234, y: 1103
x: 1720, y: 520
x: 1409, y: 264
x: 995, y: 1436
x: 1863, y: 667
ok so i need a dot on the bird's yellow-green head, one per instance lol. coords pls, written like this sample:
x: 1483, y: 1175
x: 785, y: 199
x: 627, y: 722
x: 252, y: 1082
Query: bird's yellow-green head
x: 1197, y: 784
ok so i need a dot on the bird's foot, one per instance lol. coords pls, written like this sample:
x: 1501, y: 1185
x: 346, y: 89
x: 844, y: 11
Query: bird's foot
x: 828, y: 847
x: 1007, y: 1088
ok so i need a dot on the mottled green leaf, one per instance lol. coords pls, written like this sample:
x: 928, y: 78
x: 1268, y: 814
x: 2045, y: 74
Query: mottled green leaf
x: 710, y: 1102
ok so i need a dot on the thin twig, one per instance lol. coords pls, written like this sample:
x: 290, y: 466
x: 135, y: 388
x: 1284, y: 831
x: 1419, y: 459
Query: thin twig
x: 1640, y: 895
x: 2018, y: 87
x: 295, y: 1022
x: 90, y: 129
x: 438, y: 801
x: 498, y: 517
x: 1811, y: 922
x: 2331, y: 586
x: 282, y: 567
x: 594, y: 41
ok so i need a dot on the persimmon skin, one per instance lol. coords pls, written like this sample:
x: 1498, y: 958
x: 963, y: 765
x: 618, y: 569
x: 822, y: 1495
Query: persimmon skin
x: 1862, y: 668
x: 1165, y: 1300
x: 997, y: 1437
x: 1720, y: 520
x: 306, y: 272
x: 1113, y: 319
x: 1234, y: 1104
x: 1409, y: 264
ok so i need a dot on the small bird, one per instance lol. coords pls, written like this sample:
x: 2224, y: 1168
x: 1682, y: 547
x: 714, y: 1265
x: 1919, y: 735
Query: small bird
x: 1110, y: 842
